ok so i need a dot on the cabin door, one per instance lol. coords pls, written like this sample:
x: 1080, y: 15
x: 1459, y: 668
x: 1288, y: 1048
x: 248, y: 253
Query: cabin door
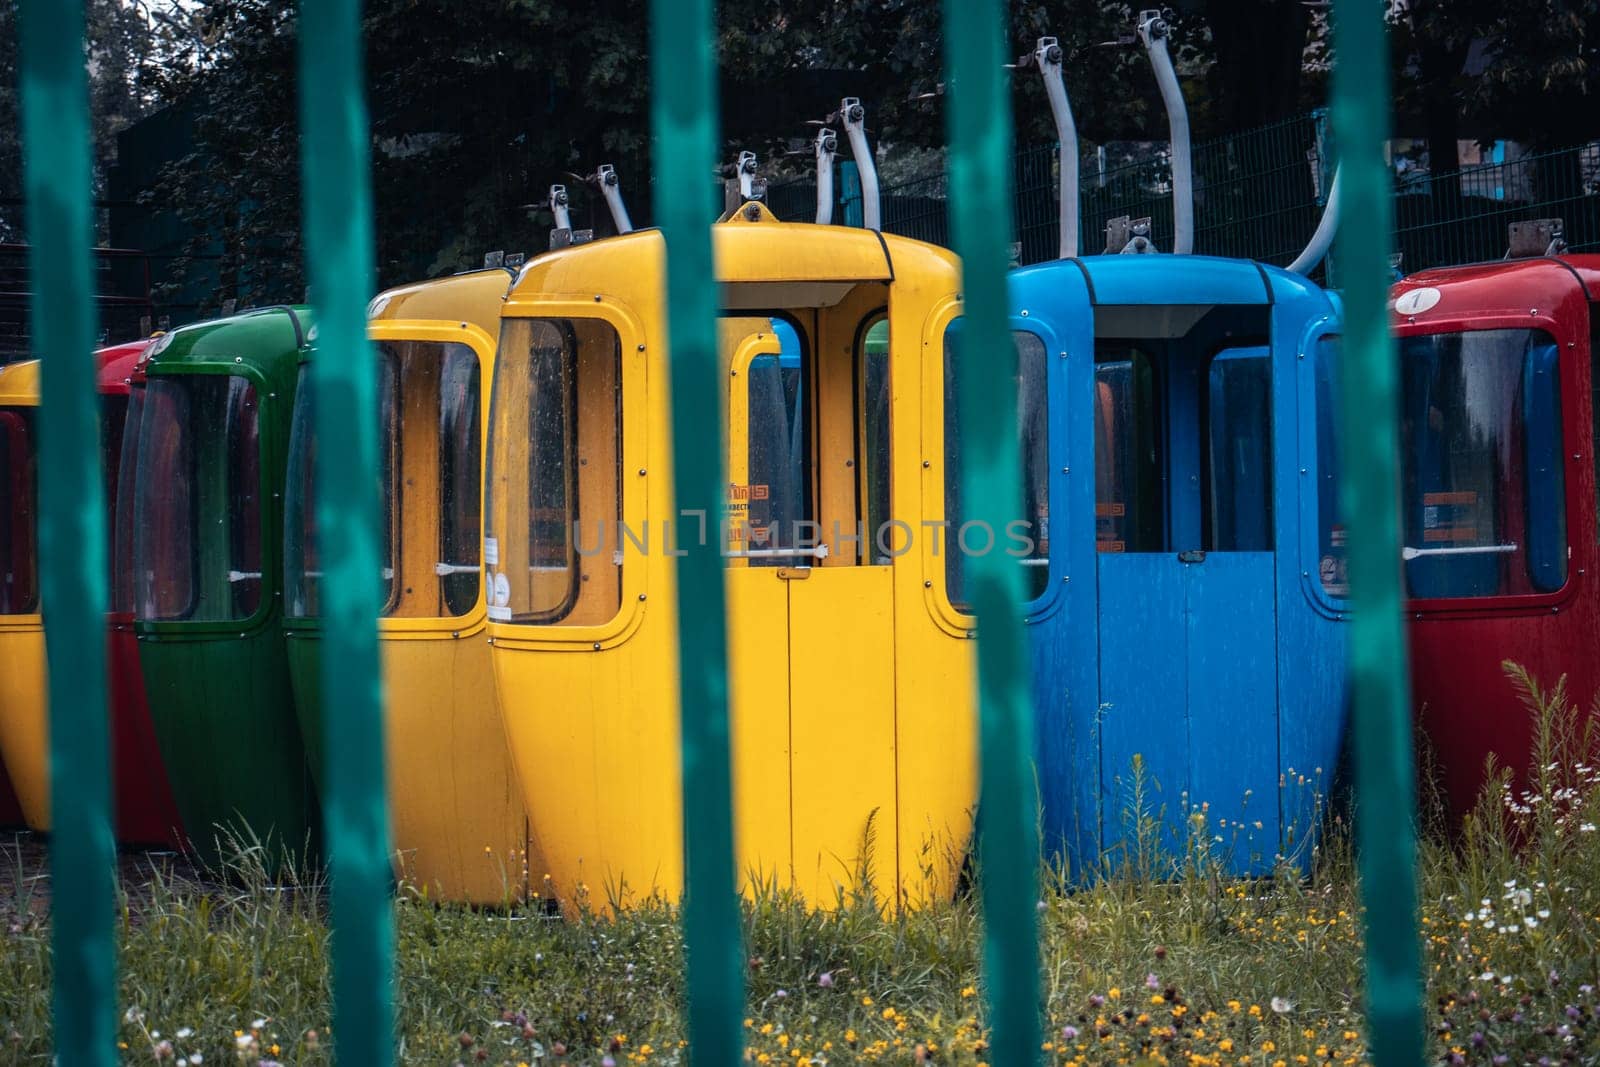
x: 1187, y: 600
x: 810, y: 631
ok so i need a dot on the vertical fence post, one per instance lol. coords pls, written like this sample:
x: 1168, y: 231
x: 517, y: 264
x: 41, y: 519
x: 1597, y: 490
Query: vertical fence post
x: 72, y: 530
x: 1385, y: 789
x: 684, y: 124
x: 979, y: 119
x: 338, y: 245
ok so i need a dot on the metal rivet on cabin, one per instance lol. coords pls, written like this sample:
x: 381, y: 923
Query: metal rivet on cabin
x: 1302, y: 470
x: 463, y: 326
x: 597, y: 646
x: 491, y: 640
x: 926, y: 464
x: 238, y: 359
x: 849, y: 463
x: 455, y: 633
x: 927, y: 584
x: 733, y: 373
x: 1024, y: 315
x: 1533, y: 311
x: 597, y: 298
x: 641, y: 596
x: 1066, y: 470
x: 1305, y: 574
x: 641, y: 472
x: 1576, y: 455
x: 1063, y: 355
x: 1065, y: 578
x: 752, y: 212
x: 641, y: 348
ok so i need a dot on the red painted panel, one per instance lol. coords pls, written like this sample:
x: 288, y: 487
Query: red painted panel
x: 146, y: 813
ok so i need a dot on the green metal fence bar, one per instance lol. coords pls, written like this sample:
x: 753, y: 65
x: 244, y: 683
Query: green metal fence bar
x: 72, y: 531
x: 979, y: 120
x: 684, y: 122
x: 1369, y: 491
x: 338, y: 242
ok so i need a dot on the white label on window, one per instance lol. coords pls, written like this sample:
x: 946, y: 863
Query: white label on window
x: 491, y: 551
x: 500, y: 614
x: 502, y: 591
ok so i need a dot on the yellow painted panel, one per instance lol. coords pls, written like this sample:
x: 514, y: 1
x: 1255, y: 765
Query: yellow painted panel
x: 842, y: 714
x: 594, y: 736
x: 459, y: 825
x: 25, y: 716
x: 758, y: 679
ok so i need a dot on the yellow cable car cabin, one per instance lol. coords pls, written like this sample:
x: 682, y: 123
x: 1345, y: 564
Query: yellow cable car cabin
x: 853, y: 727
x: 24, y: 746
x: 459, y: 828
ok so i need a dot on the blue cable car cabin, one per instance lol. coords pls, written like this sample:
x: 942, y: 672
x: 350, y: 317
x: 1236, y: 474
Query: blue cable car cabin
x: 1189, y: 678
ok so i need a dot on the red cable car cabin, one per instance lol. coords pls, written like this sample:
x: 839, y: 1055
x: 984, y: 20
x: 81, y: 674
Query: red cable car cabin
x: 146, y: 813
x: 1498, y: 505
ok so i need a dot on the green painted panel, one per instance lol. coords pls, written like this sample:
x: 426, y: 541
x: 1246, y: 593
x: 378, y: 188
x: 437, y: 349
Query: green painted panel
x: 225, y: 721
x: 305, y: 679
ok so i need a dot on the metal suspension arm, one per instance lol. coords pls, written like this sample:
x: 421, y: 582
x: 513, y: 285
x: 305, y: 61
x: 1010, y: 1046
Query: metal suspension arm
x: 854, y: 117
x: 1048, y: 57
x: 611, y: 189
x: 827, y: 150
x: 1153, y: 31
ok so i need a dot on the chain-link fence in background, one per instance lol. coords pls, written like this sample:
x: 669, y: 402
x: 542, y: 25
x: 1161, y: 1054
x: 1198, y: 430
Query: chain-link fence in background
x: 1258, y: 195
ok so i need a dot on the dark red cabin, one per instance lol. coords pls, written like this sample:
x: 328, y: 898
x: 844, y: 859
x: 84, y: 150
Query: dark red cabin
x: 146, y: 813
x: 1498, y: 506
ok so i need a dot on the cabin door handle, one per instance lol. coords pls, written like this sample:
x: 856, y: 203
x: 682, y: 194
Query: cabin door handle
x: 1193, y: 555
x: 793, y: 574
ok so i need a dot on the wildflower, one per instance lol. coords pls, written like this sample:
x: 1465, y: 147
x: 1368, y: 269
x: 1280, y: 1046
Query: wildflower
x: 1095, y: 1000
x: 1586, y: 828
x: 966, y: 992
x: 1152, y: 982
x: 825, y: 980
x: 866, y: 1002
x: 1114, y: 993
x: 1069, y: 1033
x: 1282, y: 1005
x: 258, y: 1024
x: 196, y: 1058
x: 1226, y: 1044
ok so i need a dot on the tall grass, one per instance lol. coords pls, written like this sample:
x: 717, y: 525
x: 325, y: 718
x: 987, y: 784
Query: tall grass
x: 1160, y: 959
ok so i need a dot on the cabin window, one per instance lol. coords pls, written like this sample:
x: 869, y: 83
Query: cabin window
x: 19, y: 517
x: 197, y: 537
x: 428, y: 451
x: 122, y: 523
x: 872, y: 387
x: 1025, y: 539
x: 553, y: 551
x: 1483, y: 480
x: 768, y: 507
x: 1129, y: 505
x: 302, y: 564
x: 1238, y: 470
x: 1333, y: 567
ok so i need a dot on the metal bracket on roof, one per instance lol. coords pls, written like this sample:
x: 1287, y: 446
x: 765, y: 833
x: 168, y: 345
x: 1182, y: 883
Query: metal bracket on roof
x: 827, y: 150
x: 745, y: 185
x: 1128, y: 235
x: 1047, y: 56
x: 1536, y: 237
x: 854, y: 118
x: 611, y: 189
x: 492, y: 260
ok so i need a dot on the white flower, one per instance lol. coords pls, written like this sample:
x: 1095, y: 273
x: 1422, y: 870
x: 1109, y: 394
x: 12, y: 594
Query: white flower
x: 1530, y: 922
x: 1544, y: 913
x: 244, y: 1041
x: 1470, y: 917
x: 195, y: 1057
x: 132, y: 1015
x: 1511, y: 929
x: 1486, y: 976
x: 185, y: 1031
x: 258, y: 1024
x: 1586, y: 828
x: 1511, y: 884
x: 1282, y: 1006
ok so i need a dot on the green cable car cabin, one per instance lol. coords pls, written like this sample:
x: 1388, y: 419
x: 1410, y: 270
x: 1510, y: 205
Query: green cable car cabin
x: 208, y: 601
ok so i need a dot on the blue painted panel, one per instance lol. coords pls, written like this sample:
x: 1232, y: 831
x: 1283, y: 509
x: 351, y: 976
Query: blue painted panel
x: 1233, y: 705
x: 1144, y: 682
x: 1168, y: 280
x: 1546, y: 521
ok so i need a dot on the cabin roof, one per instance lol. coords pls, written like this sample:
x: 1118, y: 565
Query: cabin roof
x: 1516, y: 287
x: 249, y: 335
x: 115, y: 363
x: 473, y: 297
x: 19, y: 384
x: 629, y: 267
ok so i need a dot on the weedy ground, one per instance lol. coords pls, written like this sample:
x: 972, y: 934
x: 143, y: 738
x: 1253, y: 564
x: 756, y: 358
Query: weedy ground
x: 1155, y: 963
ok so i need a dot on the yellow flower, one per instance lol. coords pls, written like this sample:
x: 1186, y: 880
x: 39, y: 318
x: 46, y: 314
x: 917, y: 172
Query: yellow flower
x: 1268, y: 1046
x: 1233, y: 1006
x: 766, y: 1028
x: 866, y: 1002
x: 1158, y: 999
x: 888, y: 1013
x: 969, y: 991
x: 1114, y: 993
x: 1255, y: 1011
x: 850, y: 1036
x: 1226, y: 1044
x: 1351, y: 1035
